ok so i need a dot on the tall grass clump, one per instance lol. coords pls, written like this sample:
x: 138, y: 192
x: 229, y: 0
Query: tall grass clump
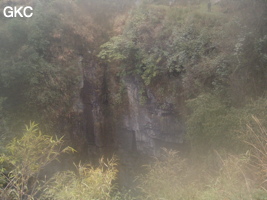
x: 257, y: 135
x: 23, y: 161
x: 231, y: 182
x: 87, y: 183
x: 167, y: 178
x: 215, y: 125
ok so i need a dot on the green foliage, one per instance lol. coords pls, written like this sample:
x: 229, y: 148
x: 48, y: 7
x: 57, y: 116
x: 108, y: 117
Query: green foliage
x: 220, y: 58
x: 157, y: 41
x: 214, y: 125
x: 3, y: 128
x: 244, y: 176
x: 21, y: 175
x: 260, y: 195
x: 257, y: 138
x: 88, y: 183
x: 167, y: 178
x: 117, y: 98
x: 190, y: 43
x: 25, y: 158
x: 231, y: 183
x: 171, y: 177
x: 208, y: 124
x: 111, y: 49
x: 33, y: 81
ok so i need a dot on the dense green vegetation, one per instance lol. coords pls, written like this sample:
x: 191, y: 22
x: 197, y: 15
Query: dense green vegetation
x: 21, y: 176
x: 23, y: 161
x: 34, y: 83
x: 223, y: 82
x: 218, y: 59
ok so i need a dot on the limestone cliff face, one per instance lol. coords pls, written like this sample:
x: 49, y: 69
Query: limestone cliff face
x: 151, y: 125
x: 143, y: 123
x: 144, y: 127
x: 141, y: 126
x: 90, y: 128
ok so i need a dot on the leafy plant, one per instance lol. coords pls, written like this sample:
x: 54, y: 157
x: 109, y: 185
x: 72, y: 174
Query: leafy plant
x: 257, y: 139
x: 25, y: 158
x: 87, y: 183
x: 167, y: 178
x: 232, y: 181
x: 213, y: 124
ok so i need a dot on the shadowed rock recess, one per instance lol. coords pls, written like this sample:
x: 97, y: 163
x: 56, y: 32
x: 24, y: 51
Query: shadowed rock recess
x: 134, y: 126
x: 133, y: 130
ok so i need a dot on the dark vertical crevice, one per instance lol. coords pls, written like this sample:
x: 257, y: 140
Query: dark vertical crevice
x: 134, y: 147
x: 87, y: 113
x: 96, y: 111
x: 107, y: 135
